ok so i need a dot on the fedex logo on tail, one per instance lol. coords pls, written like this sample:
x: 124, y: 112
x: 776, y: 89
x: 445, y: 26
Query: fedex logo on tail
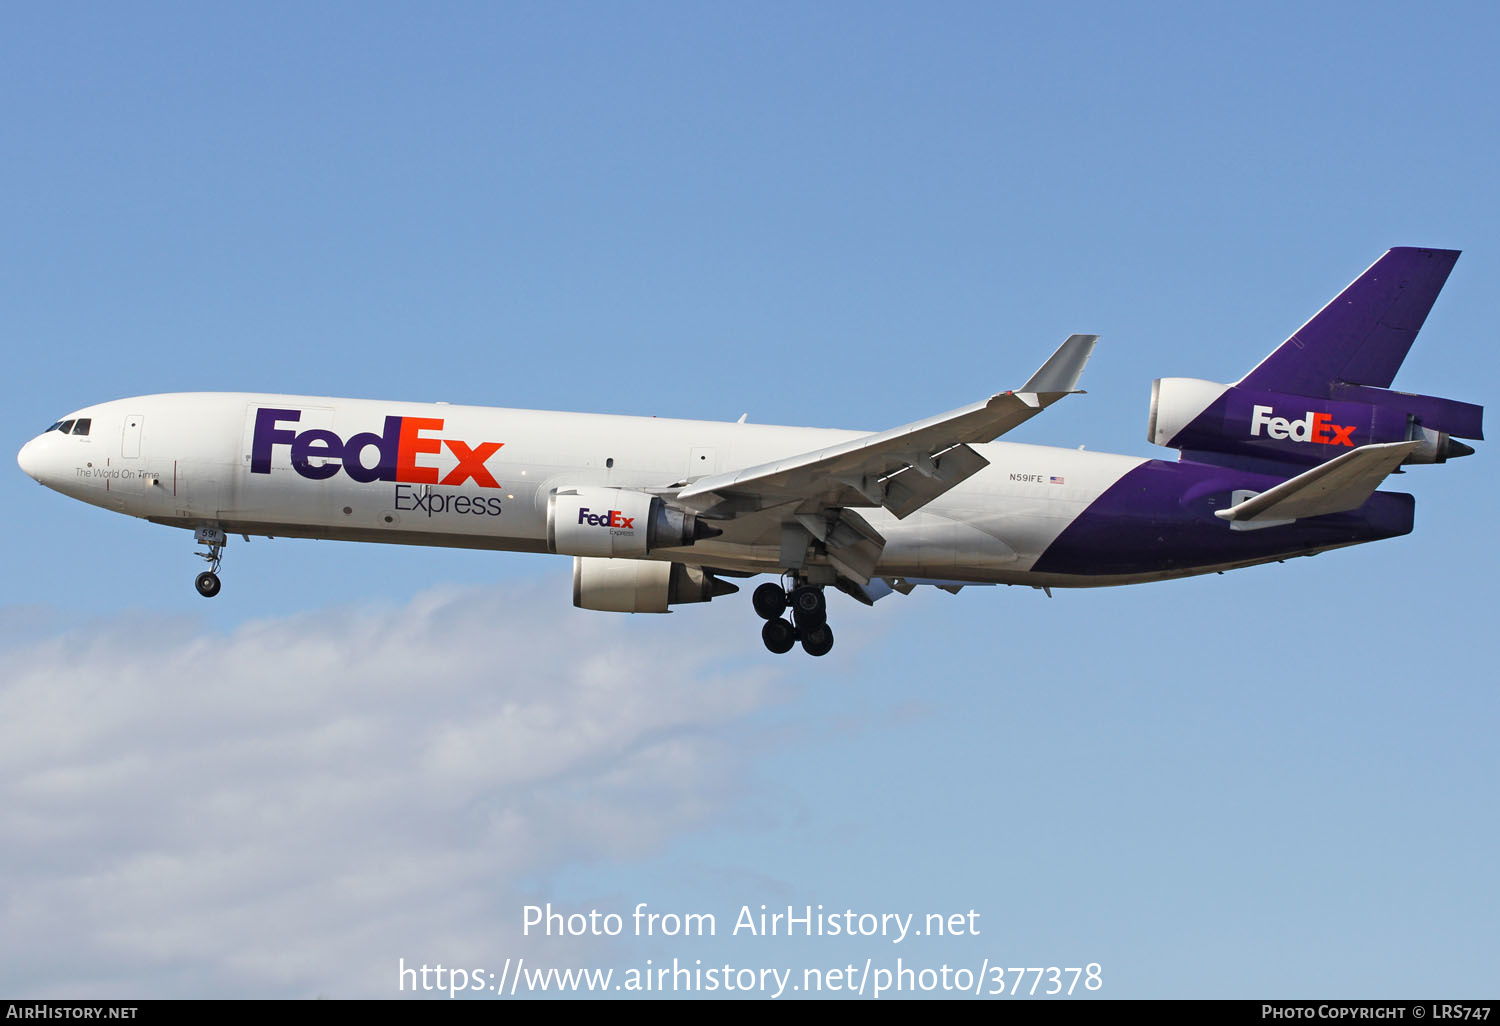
x: 396, y: 451
x: 1315, y: 427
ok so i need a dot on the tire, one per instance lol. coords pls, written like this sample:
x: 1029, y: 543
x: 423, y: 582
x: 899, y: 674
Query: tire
x: 818, y: 641
x: 769, y: 601
x: 779, y: 636
x: 208, y: 584
x: 808, y: 607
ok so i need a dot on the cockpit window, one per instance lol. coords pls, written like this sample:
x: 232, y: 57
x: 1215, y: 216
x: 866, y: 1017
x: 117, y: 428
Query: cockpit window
x: 65, y: 426
x: 55, y: 425
x: 81, y: 427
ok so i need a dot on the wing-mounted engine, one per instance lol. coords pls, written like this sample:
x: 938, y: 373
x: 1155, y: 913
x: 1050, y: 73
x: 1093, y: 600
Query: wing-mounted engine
x: 1207, y: 420
x: 641, y: 585
x: 593, y: 521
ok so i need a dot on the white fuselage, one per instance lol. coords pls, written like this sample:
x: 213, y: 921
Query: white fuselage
x: 188, y: 460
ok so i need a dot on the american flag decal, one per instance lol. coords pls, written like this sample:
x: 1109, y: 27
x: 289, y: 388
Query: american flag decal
x: 1055, y: 480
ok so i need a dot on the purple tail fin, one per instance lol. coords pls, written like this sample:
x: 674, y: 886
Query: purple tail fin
x: 1326, y: 389
x: 1361, y: 337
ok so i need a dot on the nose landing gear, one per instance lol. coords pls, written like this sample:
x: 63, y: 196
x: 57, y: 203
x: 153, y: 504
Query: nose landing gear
x: 208, y: 583
x: 809, y: 623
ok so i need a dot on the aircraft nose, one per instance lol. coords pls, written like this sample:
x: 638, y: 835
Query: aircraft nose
x: 30, y: 460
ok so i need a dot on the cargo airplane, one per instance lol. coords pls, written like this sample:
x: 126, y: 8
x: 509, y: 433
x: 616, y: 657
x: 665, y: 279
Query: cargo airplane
x: 657, y: 512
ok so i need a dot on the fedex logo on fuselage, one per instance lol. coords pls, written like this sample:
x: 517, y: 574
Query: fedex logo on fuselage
x: 396, y: 451
x: 609, y: 518
x: 1315, y: 427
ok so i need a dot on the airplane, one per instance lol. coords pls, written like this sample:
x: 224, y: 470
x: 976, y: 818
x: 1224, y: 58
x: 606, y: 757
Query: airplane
x: 658, y: 512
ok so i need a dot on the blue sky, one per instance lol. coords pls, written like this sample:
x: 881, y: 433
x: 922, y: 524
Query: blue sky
x: 1276, y: 782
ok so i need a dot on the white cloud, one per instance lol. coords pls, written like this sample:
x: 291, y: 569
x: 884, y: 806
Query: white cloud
x: 287, y: 810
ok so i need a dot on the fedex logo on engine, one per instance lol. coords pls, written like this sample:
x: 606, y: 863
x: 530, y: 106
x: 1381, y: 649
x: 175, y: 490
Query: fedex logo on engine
x: 609, y: 518
x: 396, y: 451
x: 1315, y: 427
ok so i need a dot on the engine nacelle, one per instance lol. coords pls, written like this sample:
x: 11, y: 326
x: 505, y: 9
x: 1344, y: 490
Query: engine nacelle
x: 641, y: 585
x: 593, y: 521
x: 1206, y: 417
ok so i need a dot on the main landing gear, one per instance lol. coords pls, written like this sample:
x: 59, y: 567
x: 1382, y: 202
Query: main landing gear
x: 208, y: 583
x: 809, y: 623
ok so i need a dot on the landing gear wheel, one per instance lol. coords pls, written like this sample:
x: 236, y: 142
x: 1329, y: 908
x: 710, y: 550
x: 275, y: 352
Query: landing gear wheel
x: 207, y: 582
x: 779, y: 636
x: 818, y: 641
x: 809, y: 607
x: 769, y: 601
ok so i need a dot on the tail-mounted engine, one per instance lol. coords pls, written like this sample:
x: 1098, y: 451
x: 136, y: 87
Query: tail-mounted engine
x: 1203, y: 419
x: 592, y: 521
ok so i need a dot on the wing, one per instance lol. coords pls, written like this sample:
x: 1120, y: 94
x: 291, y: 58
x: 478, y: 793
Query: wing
x: 813, y: 496
x: 902, y: 469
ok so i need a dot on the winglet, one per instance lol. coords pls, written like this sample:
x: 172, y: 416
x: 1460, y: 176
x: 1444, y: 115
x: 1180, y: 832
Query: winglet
x: 1061, y: 371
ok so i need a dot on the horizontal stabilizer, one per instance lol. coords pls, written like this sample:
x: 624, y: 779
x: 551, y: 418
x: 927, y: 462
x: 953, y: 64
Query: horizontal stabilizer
x: 1335, y: 487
